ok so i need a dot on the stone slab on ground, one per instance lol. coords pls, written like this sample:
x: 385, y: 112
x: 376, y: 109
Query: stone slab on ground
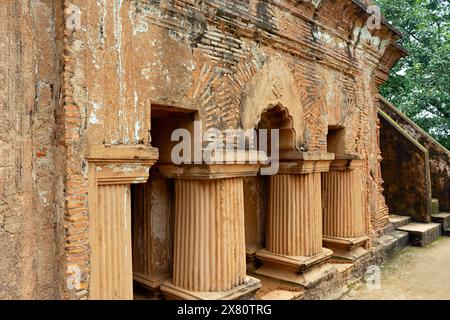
x: 283, y: 295
x: 309, y: 279
x: 421, y: 234
x: 399, y: 221
x: 443, y: 218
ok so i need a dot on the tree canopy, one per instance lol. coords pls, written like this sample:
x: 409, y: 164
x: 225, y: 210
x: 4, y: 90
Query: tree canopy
x: 419, y: 84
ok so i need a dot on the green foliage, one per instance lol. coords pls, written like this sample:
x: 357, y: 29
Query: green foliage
x: 419, y: 84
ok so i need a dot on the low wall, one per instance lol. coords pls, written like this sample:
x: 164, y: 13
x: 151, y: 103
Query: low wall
x: 405, y: 171
x: 438, y: 154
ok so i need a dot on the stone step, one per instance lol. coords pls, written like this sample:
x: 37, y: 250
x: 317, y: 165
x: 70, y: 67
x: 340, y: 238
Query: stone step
x: 395, y: 241
x: 434, y: 206
x: 399, y: 221
x: 421, y: 234
x: 442, y: 218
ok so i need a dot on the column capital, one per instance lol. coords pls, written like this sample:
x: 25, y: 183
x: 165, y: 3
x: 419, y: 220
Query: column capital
x: 292, y: 162
x: 347, y: 162
x: 121, y: 164
x: 243, y: 164
x: 208, y: 171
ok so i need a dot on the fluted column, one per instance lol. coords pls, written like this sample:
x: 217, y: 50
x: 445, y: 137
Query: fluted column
x: 209, y: 235
x: 112, y: 170
x: 294, y: 222
x: 115, y: 275
x: 342, y: 200
x: 295, y: 215
x: 209, y: 247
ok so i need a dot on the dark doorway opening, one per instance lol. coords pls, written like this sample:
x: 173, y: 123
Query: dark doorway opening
x: 152, y: 210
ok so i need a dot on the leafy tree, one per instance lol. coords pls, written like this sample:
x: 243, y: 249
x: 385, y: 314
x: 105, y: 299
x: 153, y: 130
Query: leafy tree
x: 419, y: 84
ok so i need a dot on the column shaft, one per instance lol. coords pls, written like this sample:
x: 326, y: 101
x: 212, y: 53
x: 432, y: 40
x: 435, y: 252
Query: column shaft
x: 111, y: 244
x: 209, y: 244
x: 295, y: 215
x: 343, y: 214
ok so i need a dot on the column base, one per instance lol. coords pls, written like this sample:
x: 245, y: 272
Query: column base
x: 252, y: 262
x: 152, y: 282
x: 245, y: 291
x: 349, y: 256
x: 304, y: 271
x: 348, y: 249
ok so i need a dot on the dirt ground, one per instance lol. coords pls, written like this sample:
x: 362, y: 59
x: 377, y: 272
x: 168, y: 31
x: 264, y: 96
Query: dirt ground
x: 414, y: 273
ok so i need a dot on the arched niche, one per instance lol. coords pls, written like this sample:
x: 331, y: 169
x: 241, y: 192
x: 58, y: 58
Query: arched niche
x: 272, y: 91
x: 277, y: 117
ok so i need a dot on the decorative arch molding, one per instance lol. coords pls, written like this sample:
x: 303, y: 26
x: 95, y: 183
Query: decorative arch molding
x: 273, y: 86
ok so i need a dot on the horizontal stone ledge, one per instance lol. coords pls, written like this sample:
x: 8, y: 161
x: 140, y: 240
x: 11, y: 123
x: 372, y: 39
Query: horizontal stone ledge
x: 298, y: 264
x: 304, y: 167
x: 208, y: 171
x: 346, y: 164
x: 294, y: 162
x: 112, y: 165
x: 311, y: 156
x: 344, y: 243
x: 122, y: 154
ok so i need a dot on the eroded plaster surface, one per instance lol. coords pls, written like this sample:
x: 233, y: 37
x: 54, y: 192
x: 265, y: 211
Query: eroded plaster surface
x: 225, y: 61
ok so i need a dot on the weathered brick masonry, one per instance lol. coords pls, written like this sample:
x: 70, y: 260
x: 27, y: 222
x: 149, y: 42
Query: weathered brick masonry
x: 29, y: 100
x: 72, y: 92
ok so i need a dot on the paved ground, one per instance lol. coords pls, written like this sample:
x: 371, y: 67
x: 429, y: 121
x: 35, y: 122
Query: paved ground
x: 414, y: 273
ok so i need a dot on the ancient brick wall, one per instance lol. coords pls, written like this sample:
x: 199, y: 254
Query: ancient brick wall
x: 29, y: 96
x: 439, y: 155
x: 201, y: 55
x: 406, y: 172
x: 74, y: 88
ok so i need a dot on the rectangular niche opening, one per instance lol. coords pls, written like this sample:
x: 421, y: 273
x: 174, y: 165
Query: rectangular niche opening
x: 166, y: 119
x: 336, y: 140
x: 152, y: 211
